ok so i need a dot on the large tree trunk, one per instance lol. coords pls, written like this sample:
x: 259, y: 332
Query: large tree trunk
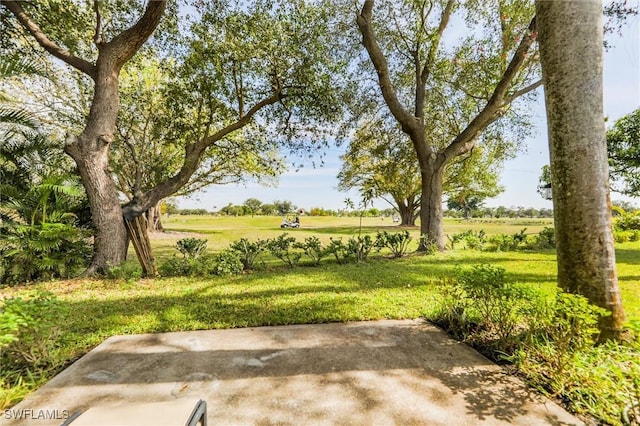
x: 571, y: 55
x: 110, y: 244
x: 154, y: 218
x: 90, y: 150
x: 431, y: 215
x: 407, y: 214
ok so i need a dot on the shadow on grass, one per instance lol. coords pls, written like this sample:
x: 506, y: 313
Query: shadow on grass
x: 382, y: 288
x: 631, y: 257
x: 346, y: 231
x: 194, y: 231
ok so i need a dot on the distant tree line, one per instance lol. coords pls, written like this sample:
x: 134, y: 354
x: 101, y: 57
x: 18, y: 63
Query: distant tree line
x: 458, y: 211
x: 253, y: 207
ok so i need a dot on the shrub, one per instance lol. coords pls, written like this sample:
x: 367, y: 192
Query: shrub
x: 248, y: 251
x: 475, y: 240
x: 227, y: 262
x: 560, y: 357
x: 546, y: 239
x: 338, y: 249
x: 627, y: 222
x: 430, y: 246
x: 312, y: 247
x: 497, y: 300
x: 356, y: 249
x: 281, y: 247
x: 359, y: 247
x: 503, y: 242
x: 481, y: 306
x: 201, y: 266
x: 398, y: 242
x: 456, y: 238
x: 191, y: 248
x: 174, y: 267
x: 29, y: 330
x: 622, y: 236
x: 45, y: 251
x: 552, y: 344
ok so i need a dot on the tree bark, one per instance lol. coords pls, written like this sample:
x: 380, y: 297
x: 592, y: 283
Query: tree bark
x: 407, y: 215
x: 154, y: 218
x: 90, y: 151
x: 571, y: 55
x: 110, y: 243
x: 431, y: 215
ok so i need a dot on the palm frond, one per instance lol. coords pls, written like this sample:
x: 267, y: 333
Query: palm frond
x: 12, y: 66
x: 18, y: 116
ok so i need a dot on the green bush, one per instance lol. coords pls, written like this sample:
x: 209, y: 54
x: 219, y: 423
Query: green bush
x: 45, y: 251
x: 626, y: 236
x: 560, y: 357
x: 627, y: 222
x: 475, y: 240
x: 227, y: 262
x: 430, y: 246
x: 174, y: 267
x: 201, y: 266
x: 621, y: 236
x: 503, y: 242
x: 356, y: 249
x: 282, y: 247
x: 397, y: 242
x: 29, y: 330
x: 546, y: 239
x: 456, y: 238
x: 359, y: 247
x: 191, y: 248
x: 249, y: 251
x: 338, y: 249
x: 312, y: 247
x: 485, y: 309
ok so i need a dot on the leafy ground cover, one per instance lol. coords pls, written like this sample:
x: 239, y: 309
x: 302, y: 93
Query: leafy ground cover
x: 410, y: 287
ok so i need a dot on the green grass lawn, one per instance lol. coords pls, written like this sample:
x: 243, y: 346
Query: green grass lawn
x: 379, y: 288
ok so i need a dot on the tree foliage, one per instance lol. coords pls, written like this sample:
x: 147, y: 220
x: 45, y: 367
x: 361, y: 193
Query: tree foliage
x: 240, y: 80
x: 448, y: 95
x: 623, y: 145
x: 379, y: 161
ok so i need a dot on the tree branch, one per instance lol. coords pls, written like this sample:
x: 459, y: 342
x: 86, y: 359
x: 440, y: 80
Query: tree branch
x: 496, y: 105
x: 97, y: 36
x: 523, y: 91
x: 45, y: 42
x: 192, y: 157
x: 128, y: 42
x: 237, y: 83
x: 433, y: 49
x: 407, y: 121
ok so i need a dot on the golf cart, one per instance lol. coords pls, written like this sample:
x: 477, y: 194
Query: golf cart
x: 290, y: 221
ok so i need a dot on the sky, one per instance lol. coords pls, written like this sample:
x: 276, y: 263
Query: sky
x: 309, y: 187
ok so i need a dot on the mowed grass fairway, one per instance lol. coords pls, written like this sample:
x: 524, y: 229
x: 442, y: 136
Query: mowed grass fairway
x: 275, y: 295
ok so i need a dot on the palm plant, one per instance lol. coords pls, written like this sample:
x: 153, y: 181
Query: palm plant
x: 37, y: 196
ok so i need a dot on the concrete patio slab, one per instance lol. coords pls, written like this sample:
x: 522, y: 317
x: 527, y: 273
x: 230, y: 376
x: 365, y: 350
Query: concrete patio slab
x: 364, y: 373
